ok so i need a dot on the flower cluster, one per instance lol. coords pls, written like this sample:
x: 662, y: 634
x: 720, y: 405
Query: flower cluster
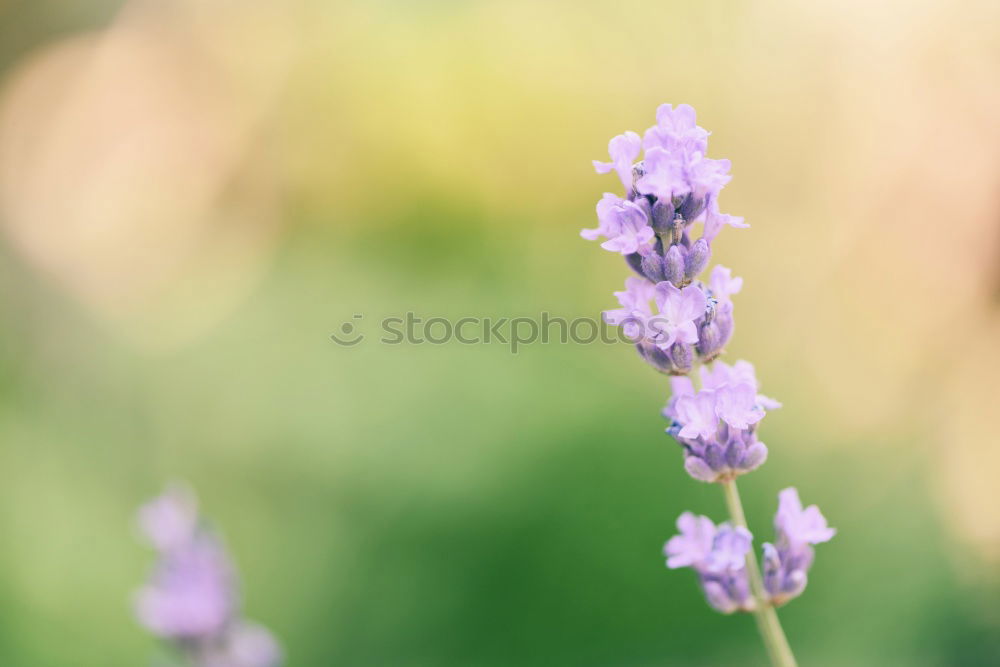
x: 718, y: 554
x: 676, y: 320
x: 191, y: 599
x: 717, y: 426
x: 787, y: 562
x: 671, y: 189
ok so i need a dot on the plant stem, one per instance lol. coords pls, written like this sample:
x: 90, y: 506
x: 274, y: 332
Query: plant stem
x: 764, y: 613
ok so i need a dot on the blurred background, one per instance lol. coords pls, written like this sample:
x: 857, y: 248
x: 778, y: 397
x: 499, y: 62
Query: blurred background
x: 194, y: 194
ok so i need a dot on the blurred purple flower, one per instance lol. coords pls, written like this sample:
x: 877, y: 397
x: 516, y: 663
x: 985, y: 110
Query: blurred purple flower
x: 245, y: 645
x: 170, y: 520
x: 191, y: 594
x: 693, y: 545
x: 191, y: 598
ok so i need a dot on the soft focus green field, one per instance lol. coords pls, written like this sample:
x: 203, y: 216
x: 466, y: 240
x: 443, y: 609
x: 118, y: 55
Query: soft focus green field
x: 460, y: 505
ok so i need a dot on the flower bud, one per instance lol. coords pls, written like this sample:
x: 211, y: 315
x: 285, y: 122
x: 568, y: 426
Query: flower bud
x: 663, y: 216
x: 673, y: 265
x: 697, y: 258
x: 652, y: 267
x: 634, y: 261
x: 682, y: 356
x: 691, y: 207
x: 655, y: 357
x: 715, y: 332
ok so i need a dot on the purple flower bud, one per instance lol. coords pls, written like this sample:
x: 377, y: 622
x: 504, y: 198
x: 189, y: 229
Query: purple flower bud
x: 663, y: 216
x: 682, y: 356
x: 697, y: 258
x: 634, y: 261
x: 713, y: 335
x: 691, y: 207
x: 652, y: 267
x: 655, y: 357
x: 673, y: 265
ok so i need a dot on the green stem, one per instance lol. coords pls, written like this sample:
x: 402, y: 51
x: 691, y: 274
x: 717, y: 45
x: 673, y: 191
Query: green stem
x: 764, y: 613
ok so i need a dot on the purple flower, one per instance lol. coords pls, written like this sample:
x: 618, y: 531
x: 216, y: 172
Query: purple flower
x: 606, y: 224
x: 674, y: 186
x: 706, y: 177
x: 246, y: 645
x: 664, y: 174
x: 717, y: 450
x: 736, y: 404
x: 720, y: 374
x: 718, y: 555
x: 787, y: 563
x: 729, y: 549
x: 694, y: 544
x: 192, y: 597
x: 722, y: 284
x: 697, y: 415
x: 635, y: 308
x: 669, y: 174
x: 796, y: 525
x: 169, y: 521
x: 623, y: 149
x: 191, y: 594
x: 675, y: 130
x: 625, y: 224
x: 680, y: 386
x: 713, y: 450
x: 715, y: 221
x: 679, y: 308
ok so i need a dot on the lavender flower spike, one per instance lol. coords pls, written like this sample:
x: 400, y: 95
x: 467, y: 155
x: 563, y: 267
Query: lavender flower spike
x: 787, y: 563
x: 191, y: 599
x: 653, y: 226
